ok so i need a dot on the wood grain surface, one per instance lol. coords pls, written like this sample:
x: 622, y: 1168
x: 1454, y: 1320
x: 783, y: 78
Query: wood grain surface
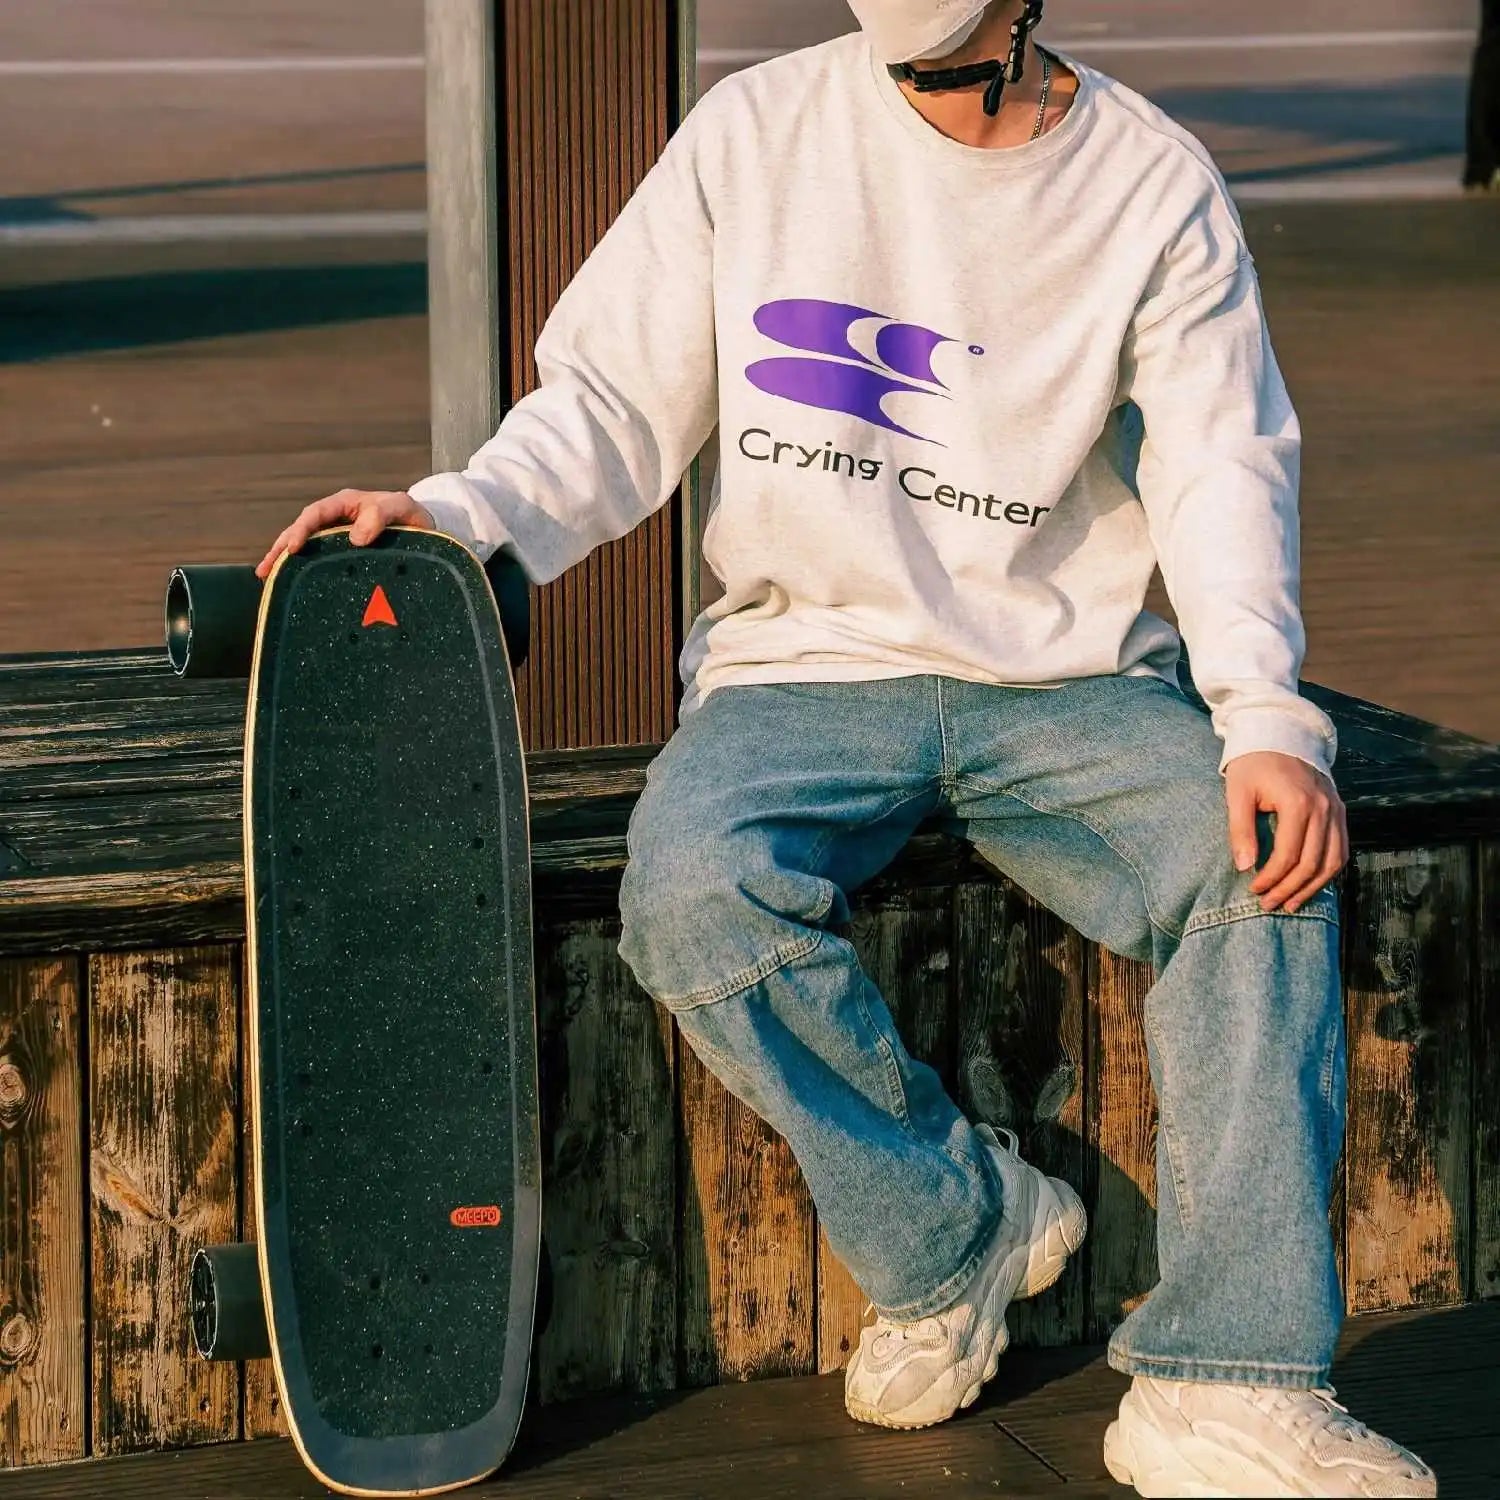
x: 163, y: 1159
x: 609, y: 1184
x: 1428, y: 1379
x: 1409, y: 981
x: 748, y: 1240
x: 43, y: 1298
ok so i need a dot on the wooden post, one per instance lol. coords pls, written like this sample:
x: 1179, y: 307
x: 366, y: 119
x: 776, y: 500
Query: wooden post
x: 542, y: 117
x: 466, y: 312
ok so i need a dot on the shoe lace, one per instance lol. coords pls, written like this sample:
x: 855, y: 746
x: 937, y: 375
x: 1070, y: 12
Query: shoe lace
x: 886, y: 1328
x: 1318, y: 1410
x: 1002, y: 1136
x: 1317, y: 1413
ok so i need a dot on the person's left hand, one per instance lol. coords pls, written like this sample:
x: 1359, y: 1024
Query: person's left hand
x: 1312, y: 828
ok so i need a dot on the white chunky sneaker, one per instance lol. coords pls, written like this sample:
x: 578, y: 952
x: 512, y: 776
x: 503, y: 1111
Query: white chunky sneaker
x: 915, y: 1374
x: 1204, y: 1438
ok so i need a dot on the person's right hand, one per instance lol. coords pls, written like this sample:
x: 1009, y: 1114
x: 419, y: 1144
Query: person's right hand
x: 371, y: 511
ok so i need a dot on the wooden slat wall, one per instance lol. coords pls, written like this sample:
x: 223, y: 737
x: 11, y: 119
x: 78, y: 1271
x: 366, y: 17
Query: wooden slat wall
x: 1121, y: 1114
x: 906, y: 947
x: 609, y: 1170
x: 41, y: 1213
x: 747, y: 1241
x: 588, y: 93
x: 1021, y: 1002
x: 1409, y: 979
x: 163, y: 1159
x: 683, y: 1244
x: 261, y: 1414
x: 1485, y: 1050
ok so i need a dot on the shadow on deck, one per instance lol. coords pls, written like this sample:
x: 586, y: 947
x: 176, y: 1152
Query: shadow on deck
x: 1430, y: 1379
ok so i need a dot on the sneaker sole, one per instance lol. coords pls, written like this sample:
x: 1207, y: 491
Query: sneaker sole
x: 1056, y: 1233
x: 862, y: 1413
x: 1057, y: 1230
x: 1159, y: 1467
x: 1133, y: 1459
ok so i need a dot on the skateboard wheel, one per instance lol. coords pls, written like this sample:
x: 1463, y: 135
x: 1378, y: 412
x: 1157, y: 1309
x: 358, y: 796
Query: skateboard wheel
x: 508, y: 583
x: 212, y: 612
x: 229, y: 1314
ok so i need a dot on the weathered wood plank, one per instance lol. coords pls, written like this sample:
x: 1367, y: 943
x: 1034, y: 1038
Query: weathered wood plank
x: 115, y: 775
x: 184, y: 885
x: 51, y: 915
x: 260, y: 1400
x: 203, y: 769
x: 138, y: 843
x: 131, y: 729
x: 1372, y: 731
x: 1369, y: 731
x: 1409, y: 976
x: 27, y: 682
x: 1022, y: 1005
x: 119, y: 818
x: 41, y: 1214
x: 32, y: 666
x: 558, y: 780
x: 1420, y: 806
x: 1390, y: 738
x: 747, y: 1240
x: 906, y: 949
x: 1120, y: 1115
x: 163, y: 1149
x: 84, y: 715
x: 609, y: 1179
x: 1486, y: 1053
x: 1338, y: 1206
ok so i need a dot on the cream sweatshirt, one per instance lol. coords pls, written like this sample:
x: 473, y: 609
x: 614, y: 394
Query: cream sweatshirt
x: 966, y: 399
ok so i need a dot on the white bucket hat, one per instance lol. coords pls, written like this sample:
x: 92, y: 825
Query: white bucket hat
x: 912, y: 30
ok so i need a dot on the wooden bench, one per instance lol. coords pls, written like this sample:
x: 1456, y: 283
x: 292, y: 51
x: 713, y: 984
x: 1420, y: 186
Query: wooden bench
x: 684, y: 1247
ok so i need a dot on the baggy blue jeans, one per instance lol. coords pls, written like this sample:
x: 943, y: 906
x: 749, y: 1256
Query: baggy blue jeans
x: 1103, y: 800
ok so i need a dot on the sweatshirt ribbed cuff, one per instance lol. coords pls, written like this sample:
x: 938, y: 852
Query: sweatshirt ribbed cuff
x: 445, y: 498
x: 1252, y: 729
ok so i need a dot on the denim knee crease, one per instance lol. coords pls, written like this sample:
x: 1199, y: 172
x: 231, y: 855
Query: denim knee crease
x: 1322, y: 907
x: 1076, y: 815
x: 747, y: 978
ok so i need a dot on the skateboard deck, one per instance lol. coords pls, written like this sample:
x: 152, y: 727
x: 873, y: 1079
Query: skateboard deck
x: 392, y: 1038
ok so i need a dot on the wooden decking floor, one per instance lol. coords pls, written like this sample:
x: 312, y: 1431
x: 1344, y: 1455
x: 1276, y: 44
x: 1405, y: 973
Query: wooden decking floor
x: 1430, y: 1379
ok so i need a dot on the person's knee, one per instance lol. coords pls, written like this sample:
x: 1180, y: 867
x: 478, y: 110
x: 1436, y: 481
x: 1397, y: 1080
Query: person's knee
x: 707, y: 915
x: 1205, y: 884
x: 1196, y: 874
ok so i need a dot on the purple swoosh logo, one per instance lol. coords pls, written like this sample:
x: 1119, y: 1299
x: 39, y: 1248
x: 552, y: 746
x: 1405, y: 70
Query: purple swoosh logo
x: 904, y: 353
x: 851, y: 389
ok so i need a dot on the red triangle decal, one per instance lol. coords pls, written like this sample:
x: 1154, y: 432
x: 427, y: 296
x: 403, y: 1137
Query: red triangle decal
x: 378, y: 611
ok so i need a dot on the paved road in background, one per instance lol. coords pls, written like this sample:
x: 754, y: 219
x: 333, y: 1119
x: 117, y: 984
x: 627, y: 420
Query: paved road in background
x: 1325, y: 96
x: 124, y: 108
x: 172, y: 399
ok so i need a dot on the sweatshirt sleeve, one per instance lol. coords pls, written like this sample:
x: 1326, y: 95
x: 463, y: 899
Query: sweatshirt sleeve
x: 627, y: 391
x: 1218, y: 480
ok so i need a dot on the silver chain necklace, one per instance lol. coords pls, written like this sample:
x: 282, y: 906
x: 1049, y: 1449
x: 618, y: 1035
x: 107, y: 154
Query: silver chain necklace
x: 1041, y: 109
